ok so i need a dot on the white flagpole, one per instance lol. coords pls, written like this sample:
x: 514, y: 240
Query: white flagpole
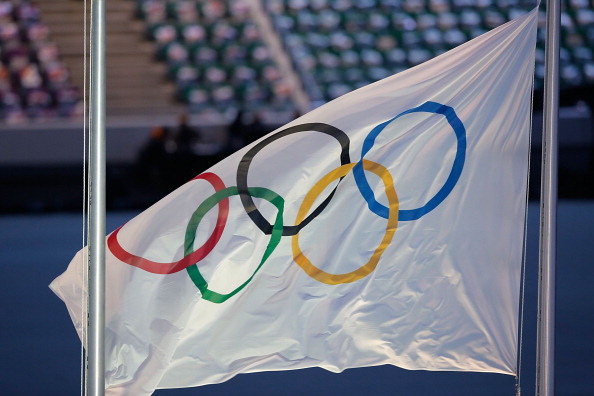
x: 545, y: 361
x: 96, y: 320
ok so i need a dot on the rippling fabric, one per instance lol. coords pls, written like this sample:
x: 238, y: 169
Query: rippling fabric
x: 385, y: 227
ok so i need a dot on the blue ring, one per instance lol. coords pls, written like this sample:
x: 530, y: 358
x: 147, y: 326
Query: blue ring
x: 457, y: 166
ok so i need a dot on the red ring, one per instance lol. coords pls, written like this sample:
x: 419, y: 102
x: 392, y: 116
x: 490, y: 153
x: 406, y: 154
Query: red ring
x: 169, y: 268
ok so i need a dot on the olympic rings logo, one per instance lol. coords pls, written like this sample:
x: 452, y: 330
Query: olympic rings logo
x: 393, y: 213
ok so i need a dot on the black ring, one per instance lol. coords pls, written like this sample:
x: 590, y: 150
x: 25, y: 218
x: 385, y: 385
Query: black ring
x: 244, y: 165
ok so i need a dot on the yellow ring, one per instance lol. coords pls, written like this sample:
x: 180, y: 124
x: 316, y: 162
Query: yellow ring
x: 308, y: 201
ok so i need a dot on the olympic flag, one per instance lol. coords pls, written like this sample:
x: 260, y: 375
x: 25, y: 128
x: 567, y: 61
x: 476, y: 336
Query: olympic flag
x: 385, y: 227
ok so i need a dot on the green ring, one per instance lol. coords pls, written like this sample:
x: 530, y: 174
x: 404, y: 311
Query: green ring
x: 207, y: 205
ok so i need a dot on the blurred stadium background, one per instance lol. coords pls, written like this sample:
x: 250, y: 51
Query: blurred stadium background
x: 189, y: 81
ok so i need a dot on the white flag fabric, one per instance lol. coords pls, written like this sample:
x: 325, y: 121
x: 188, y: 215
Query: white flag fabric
x: 385, y: 227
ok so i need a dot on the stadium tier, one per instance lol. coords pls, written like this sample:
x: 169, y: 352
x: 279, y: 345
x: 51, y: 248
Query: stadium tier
x: 219, y: 59
x: 340, y: 45
x: 215, y: 55
x: 34, y: 83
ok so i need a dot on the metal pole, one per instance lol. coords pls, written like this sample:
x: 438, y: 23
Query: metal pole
x: 96, y: 319
x: 545, y: 361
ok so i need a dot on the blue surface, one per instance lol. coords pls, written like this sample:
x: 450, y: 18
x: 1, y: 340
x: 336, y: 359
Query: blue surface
x: 40, y: 351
